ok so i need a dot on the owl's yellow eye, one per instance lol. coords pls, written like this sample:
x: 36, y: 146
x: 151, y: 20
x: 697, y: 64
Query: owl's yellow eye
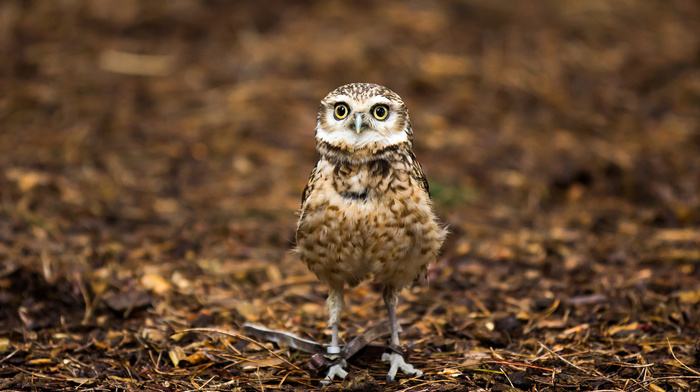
x: 380, y: 112
x: 341, y: 111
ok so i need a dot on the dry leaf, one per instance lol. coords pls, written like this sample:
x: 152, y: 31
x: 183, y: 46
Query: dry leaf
x: 176, y: 354
x: 656, y: 388
x: 196, y: 358
x: 450, y: 372
x: 156, y: 283
x: 4, y: 345
x: 617, y: 329
x: 689, y: 297
x: 262, y: 363
x: 27, y: 179
x: 40, y: 361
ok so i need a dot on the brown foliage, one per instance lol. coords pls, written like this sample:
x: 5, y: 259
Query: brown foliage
x: 152, y: 157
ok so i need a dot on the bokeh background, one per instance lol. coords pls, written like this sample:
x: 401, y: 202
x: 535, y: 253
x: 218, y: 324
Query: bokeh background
x: 153, y: 154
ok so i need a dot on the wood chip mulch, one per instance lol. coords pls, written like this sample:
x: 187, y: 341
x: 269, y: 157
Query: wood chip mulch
x: 153, y: 155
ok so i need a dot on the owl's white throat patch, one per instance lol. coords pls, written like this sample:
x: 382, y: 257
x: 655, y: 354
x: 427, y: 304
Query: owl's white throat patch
x: 351, y: 140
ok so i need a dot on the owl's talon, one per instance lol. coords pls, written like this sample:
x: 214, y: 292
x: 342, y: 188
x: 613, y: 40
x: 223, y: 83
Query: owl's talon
x: 397, y: 362
x: 333, y: 371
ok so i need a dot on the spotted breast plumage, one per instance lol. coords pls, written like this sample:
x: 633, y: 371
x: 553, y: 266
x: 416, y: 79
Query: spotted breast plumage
x: 366, y: 210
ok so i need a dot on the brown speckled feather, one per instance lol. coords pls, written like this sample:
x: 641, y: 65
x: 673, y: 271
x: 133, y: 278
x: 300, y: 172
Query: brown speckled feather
x: 366, y: 209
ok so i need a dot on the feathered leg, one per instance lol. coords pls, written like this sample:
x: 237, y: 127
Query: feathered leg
x: 391, y: 298
x: 335, y: 304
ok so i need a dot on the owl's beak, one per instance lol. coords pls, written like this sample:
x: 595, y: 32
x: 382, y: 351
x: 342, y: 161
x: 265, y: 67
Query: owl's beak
x: 358, y: 122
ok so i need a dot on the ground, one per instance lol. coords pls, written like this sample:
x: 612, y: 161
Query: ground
x: 153, y: 155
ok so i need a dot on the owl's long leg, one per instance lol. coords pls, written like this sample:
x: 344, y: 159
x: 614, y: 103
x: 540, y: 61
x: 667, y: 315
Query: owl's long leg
x: 335, y: 304
x: 391, y: 298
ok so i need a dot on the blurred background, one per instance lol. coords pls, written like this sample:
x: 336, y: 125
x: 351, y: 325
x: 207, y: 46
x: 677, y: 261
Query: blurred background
x: 153, y: 153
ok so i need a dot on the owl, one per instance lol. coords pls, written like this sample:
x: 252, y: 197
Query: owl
x: 366, y: 211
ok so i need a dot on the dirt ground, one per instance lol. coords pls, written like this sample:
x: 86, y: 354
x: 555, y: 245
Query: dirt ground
x: 153, y: 155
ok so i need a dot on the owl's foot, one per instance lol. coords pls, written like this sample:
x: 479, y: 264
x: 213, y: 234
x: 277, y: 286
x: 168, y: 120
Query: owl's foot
x: 397, y: 362
x: 333, y: 371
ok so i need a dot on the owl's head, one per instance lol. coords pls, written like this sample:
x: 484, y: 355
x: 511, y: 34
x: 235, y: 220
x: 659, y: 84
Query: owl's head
x: 360, y: 120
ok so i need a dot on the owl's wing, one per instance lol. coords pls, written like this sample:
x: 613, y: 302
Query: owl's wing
x: 417, y: 173
x: 309, y: 185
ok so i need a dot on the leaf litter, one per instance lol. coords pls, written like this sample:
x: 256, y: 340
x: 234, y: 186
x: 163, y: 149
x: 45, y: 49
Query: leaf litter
x: 152, y: 156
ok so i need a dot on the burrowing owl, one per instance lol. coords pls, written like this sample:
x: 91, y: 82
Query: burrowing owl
x: 365, y: 210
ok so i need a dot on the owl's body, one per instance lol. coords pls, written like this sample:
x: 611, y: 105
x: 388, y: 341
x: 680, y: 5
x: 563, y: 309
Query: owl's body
x: 366, y: 211
x: 368, y: 219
